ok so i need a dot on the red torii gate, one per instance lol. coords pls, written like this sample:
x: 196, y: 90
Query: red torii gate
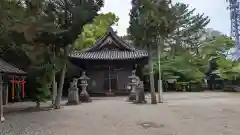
x: 16, y: 81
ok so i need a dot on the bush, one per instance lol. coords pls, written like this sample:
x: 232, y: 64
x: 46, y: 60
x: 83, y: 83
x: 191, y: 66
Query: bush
x: 37, y: 86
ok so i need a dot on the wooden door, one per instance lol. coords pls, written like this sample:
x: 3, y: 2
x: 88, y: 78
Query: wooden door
x: 110, y: 81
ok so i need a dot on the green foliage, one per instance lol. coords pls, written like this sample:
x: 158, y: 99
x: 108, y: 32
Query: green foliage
x: 37, y: 87
x: 191, y: 67
x: 42, y: 25
x: 188, y: 30
x: 148, y: 20
x: 8, y: 21
x: 182, y: 66
x: 216, y: 46
x: 181, y: 30
x: 228, y: 69
x: 91, y: 32
x: 44, y: 69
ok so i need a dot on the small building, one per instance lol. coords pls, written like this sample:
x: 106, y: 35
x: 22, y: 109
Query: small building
x: 6, y: 71
x: 108, y: 63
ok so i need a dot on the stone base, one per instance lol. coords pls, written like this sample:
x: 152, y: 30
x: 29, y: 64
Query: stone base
x: 2, y: 119
x: 140, y: 102
x: 131, y: 97
x: 142, y: 96
x: 84, y: 98
x: 73, y: 98
x: 110, y: 94
x: 73, y: 103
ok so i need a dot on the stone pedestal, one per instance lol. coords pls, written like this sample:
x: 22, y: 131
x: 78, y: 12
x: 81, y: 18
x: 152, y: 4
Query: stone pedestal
x: 2, y: 119
x: 73, y: 97
x: 110, y: 94
x: 141, y: 98
x: 132, y: 97
x: 84, y: 96
x: 140, y: 95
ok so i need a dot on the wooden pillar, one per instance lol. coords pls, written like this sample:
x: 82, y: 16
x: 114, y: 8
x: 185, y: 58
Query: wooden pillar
x: 1, y: 99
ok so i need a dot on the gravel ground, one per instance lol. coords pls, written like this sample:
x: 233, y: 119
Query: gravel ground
x: 181, y: 114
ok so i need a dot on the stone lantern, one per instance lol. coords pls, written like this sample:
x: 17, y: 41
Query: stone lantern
x: 133, y: 83
x: 84, y: 96
x: 73, y: 97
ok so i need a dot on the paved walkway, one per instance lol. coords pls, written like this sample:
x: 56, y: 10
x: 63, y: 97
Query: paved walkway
x: 181, y: 114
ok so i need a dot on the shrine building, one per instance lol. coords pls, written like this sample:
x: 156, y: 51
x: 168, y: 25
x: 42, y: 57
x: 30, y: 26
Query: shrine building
x: 108, y: 63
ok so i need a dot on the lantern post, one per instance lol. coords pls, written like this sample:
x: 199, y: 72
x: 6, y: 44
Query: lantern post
x: 133, y: 83
x: 84, y: 96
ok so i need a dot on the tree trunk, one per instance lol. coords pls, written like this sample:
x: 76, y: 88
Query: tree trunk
x: 176, y: 46
x: 38, y: 104
x: 1, y: 99
x: 151, y: 76
x: 160, y: 88
x: 54, y: 84
x: 54, y: 88
x: 61, y: 83
x: 173, y: 50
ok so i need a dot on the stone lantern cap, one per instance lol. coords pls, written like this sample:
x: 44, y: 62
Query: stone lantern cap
x: 133, y: 76
x: 84, y: 77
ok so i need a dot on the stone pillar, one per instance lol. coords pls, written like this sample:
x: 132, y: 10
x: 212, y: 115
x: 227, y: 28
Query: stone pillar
x: 133, y: 83
x: 1, y: 99
x: 73, y: 97
x: 84, y: 96
x: 5, y: 95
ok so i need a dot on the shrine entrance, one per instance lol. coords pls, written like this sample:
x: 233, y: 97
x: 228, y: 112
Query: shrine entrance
x: 110, y: 80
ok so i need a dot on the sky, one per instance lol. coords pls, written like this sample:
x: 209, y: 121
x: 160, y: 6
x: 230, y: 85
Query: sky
x: 215, y: 9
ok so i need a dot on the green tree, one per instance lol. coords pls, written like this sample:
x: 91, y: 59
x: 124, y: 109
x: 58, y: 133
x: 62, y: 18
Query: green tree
x: 228, y: 69
x: 220, y: 47
x: 191, y: 67
x: 149, y: 20
x: 56, y: 25
x: 70, y: 16
x: 215, y: 46
x: 181, y: 42
x: 189, y: 29
x: 8, y: 21
x: 96, y: 29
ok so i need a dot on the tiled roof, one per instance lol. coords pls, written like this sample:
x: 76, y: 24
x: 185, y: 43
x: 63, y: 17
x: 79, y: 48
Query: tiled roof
x: 112, y: 34
x: 7, y: 68
x: 110, y: 55
x: 122, y: 51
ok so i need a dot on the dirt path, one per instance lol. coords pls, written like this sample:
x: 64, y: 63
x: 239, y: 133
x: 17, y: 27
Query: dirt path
x: 181, y: 114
